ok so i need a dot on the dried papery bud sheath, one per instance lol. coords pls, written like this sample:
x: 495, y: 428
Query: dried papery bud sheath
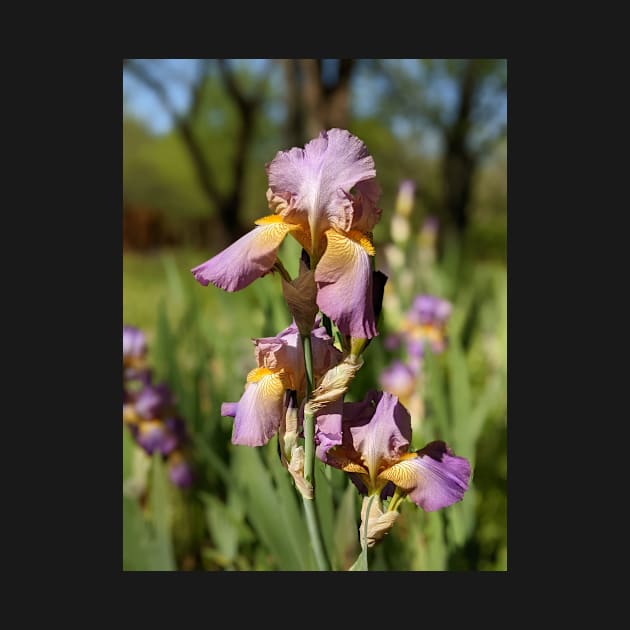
x: 300, y: 295
x: 379, y: 522
x: 296, y: 469
x: 334, y: 384
x: 292, y: 455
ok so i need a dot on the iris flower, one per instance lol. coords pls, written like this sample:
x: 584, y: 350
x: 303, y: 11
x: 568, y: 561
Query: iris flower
x: 375, y: 452
x: 426, y: 321
x: 325, y: 196
x: 180, y: 471
x: 261, y: 409
x: 134, y: 346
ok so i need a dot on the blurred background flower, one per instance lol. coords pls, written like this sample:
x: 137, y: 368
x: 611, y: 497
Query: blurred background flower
x: 197, y: 134
x: 149, y: 412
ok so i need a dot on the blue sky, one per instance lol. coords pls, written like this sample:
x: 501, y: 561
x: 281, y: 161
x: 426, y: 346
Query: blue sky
x: 178, y: 74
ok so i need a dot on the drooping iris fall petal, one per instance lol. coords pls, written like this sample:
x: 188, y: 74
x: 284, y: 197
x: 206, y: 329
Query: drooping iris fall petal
x: 434, y: 477
x: 258, y: 413
x: 249, y: 258
x: 344, y: 281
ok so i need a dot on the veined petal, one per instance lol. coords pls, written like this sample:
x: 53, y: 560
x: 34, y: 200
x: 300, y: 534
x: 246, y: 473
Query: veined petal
x: 259, y: 412
x: 434, y: 477
x: 365, y: 213
x: 249, y: 258
x: 344, y: 280
x: 328, y: 428
x: 380, y: 429
x: 319, y: 178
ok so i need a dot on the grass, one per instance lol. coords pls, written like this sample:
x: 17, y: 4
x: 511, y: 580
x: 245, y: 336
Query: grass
x: 243, y: 513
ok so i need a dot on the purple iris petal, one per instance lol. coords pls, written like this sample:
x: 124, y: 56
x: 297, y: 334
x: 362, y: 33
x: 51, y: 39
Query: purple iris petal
x: 134, y: 343
x: 398, y: 379
x: 325, y: 355
x: 443, y: 310
x: 442, y: 478
x: 154, y: 401
x: 284, y: 351
x: 155, y: 436
x: 319, y: 177
x: 177, y: 427
x: 344, y: 281
x: 229, y: 409
x: 392, y: 342
x: 259, y: 412
x: 429, y: 309
x: 328, y: 428
x: 247, y: 259
x: 365, y: 213
x: 181, y: 474
x: 380, y: 428
x: 375, y: 430
x: 415, y: 348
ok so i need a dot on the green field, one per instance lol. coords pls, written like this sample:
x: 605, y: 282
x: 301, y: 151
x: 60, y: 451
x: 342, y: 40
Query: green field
x: 243, y: 512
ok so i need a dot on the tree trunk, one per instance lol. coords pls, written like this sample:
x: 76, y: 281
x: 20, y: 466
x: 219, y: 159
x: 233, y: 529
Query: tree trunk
x: 294, y: 130
x: 459, y: 162
x: 325, y: 105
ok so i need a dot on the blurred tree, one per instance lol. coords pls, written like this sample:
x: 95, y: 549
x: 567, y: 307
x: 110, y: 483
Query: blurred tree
x: 226, y: 199
x: 317, y: 96
x: 461, y: 102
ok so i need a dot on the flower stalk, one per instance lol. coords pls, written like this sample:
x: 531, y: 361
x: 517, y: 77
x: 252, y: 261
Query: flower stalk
x: 310, y: 510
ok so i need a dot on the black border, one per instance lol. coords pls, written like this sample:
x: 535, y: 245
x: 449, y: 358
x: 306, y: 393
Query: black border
x: 79, y: 307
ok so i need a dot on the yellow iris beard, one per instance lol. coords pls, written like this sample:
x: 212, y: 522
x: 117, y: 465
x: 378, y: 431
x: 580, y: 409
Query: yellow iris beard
x: 296, y: 230
x: 402, y: 474
x: 335, y: 239
x: 363, y: 240
x: 272, y: 383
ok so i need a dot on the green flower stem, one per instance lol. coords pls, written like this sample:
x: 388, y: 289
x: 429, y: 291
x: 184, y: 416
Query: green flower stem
x: 315, y: 534
x: 396, y: 499
x: 309, y: 418
x: 309, y: 464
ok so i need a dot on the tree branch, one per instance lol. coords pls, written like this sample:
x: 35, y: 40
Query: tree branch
x: 184, y: 126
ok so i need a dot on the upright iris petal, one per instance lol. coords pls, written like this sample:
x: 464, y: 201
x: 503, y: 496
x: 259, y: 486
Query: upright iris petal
x: 319, y: 179
x: 375, y: 452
